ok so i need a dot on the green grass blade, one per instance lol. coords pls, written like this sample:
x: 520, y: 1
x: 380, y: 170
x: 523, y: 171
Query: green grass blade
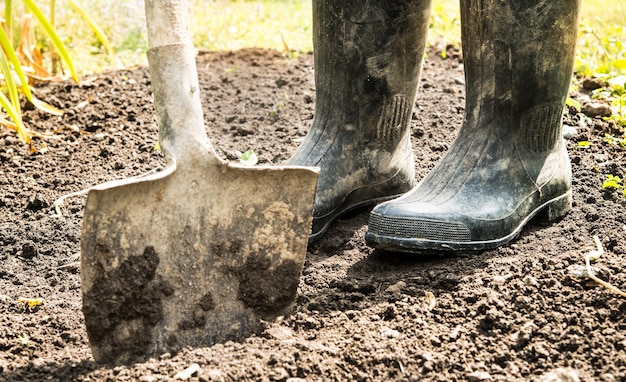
x: 56, y: 41
x: 53, y: 5
x: 10, y: 54
x: 17, y: 68
x: 8, y: 17
x: 9, y: 83
x: 94, y: 27
x: 14, y: 115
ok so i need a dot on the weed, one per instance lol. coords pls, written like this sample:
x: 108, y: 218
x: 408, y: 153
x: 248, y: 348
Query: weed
x: 31, y: 303
x: 612, y: 182
x: 570, y: 102
x: 276, y: 112
x: 248, y: 158
x: 24, y: 340
x: 615, y: 92
x: 614, y: 141
x: 609, y: 139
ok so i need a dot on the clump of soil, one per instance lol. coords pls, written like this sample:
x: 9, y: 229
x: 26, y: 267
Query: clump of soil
x: 514, y: 313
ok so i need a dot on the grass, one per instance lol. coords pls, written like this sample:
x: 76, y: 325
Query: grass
x: 287, y: 24
x: 122, y: 21
x: 217, y: 25
x: 282, y: 25
x: 602, y: 38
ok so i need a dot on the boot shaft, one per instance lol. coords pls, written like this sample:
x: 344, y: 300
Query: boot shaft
x: 519, y: 58
x: 368, y: 58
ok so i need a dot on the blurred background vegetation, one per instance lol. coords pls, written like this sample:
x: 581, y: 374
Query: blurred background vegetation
x: 286, y: 25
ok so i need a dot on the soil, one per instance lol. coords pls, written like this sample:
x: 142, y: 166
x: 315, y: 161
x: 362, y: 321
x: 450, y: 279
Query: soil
x: 521, y: 312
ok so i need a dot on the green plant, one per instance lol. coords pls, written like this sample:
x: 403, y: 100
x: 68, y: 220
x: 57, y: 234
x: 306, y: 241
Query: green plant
x: 445, y: 25
x: 24, y: 65
x: 276, y: 112
x: 24, y: 340
x: 609, y: 139
x: 617, y: 86
x: 282, y: 25
x: 601, y: 53
x: 249, y: 158
x: 614, y: 92
x: 613, y: 183
x: 570, y: 102
x: 614, y: 141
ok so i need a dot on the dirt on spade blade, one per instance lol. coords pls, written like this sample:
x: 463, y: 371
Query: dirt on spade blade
x: 518, y: 313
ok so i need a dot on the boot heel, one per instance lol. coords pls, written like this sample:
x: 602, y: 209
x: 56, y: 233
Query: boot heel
x: 559, y: 207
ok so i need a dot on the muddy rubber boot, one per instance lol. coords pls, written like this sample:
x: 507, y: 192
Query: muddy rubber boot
x: 509, y: 161
x: 368, y: 58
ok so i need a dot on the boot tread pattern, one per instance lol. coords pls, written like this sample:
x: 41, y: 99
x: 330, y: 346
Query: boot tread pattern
x: 418, y: 228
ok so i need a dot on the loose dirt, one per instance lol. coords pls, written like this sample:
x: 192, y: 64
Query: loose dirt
x: 515, y: 313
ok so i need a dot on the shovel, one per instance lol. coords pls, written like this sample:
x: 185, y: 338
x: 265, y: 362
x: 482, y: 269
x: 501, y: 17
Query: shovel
x: 201, y: 252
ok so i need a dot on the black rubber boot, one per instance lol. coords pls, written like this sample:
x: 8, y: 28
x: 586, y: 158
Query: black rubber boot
x: 368, y: 58
x: 509, y: 161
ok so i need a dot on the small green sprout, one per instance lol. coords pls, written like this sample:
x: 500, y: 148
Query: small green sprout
x: 248, y: 158
x: 619, y: 110
x: 570, y: 102
x: 612, y: 182
x: 609, y: 139
x: 276, y: 112
x: 612, y: 140
x: 31, y: 303
x: 618, y: 84
x: 24, y: 340
x: 584, y: 144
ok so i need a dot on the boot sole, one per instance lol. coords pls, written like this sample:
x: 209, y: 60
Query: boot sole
x: 554, y: 209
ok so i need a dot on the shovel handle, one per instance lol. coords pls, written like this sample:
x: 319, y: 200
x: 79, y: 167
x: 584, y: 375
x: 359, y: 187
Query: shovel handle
x: 174, y: 77
x: 168, y: 22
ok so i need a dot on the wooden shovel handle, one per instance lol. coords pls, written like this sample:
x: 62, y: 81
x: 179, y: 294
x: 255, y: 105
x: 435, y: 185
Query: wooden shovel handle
x: 174, y: 76
x: 168, y: 22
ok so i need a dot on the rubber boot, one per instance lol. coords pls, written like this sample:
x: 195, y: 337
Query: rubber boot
x: 509, y: 161
x: 368, y: 58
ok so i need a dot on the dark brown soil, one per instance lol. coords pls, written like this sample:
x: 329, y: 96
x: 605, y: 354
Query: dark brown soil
x: 515, y: 313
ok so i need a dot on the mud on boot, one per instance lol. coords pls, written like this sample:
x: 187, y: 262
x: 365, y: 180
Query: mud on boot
x: 368, y: 59
x: 509, y: 161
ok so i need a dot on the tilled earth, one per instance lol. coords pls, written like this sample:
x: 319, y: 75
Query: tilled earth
x: 520, y: 312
